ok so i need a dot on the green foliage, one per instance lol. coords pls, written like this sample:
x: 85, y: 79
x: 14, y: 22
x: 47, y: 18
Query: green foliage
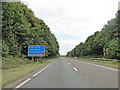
x: 21, y: 28
x: 101, y: 44
x: 111, y: 49
x: 5, y: 49
x: 114, y: 61
x: 13, y: 62
x: 118, y: 30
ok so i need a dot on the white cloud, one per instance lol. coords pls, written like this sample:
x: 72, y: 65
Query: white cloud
x: 77, y: 18
x: 67, y: 45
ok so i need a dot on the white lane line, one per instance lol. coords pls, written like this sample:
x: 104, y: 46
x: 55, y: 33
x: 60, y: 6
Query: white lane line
x: 101, y: 66
x: 33, y: 76
x: 23, y: 83
x: 42, y: 70
x: 68, y: 63
x: 75, y: 69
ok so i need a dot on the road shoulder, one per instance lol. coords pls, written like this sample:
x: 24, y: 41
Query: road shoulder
x: 29, y: 75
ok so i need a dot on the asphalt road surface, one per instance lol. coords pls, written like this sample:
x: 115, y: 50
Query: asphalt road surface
x: 68, y: 73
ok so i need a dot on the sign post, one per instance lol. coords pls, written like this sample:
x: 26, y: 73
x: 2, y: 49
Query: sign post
x: 32, y: 59
x: 36, y: 51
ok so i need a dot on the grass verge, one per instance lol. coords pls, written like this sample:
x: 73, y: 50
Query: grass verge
x: 103, y: 63
x: 12, y: 74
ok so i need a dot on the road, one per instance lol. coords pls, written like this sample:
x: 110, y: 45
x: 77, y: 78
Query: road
x: 68, y: 73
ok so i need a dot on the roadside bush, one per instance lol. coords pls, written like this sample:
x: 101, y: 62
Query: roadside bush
x: 12, y: 62
x: 114, y: 61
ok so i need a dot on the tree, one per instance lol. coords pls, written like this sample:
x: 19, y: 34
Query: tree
x: 100, y: 44
x: 21, y: 28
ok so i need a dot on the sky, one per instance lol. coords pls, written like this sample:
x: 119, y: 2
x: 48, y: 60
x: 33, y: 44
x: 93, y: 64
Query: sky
x: 72, y: 21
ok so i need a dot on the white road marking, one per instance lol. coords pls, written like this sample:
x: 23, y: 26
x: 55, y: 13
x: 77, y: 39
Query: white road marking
x: 23, y: 83
x: 42, y: 70
x: 68, y: 63
x: 33, y: 76
x: 75, y: 69
x: 101, y: 66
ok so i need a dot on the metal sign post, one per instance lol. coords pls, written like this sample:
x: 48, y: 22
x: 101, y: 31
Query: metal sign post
x: 32, y: 59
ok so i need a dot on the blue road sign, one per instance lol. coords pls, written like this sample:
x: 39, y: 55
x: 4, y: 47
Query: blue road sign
x: 36, y: 50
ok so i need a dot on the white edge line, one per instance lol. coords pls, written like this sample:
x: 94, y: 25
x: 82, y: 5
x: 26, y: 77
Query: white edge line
x: 39, y: 71
x: 75, y: 69
x: 33, y: 76
x: 42, y: 69
x: 23, y: 83
x: 101, y: 66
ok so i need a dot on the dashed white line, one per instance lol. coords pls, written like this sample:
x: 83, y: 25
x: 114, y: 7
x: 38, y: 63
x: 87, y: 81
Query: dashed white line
x: 23, y: 83
x: 75, y: 69
x: 68, y: 63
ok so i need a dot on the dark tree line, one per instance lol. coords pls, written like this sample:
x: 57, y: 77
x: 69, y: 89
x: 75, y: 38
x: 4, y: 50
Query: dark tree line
x: 101, y: 44
x: 21, y: 28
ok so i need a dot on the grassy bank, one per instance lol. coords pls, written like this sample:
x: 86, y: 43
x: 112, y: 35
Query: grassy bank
x: 112, y: 64
x: 12, y: 74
